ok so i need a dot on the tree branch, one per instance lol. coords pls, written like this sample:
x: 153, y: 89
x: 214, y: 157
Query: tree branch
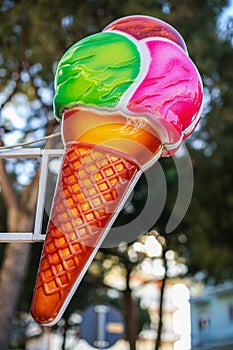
x: 99, y: 283
x: 7, y: 187
x: 45, y: 108
x: 29, y: 195
x: 9, y: 97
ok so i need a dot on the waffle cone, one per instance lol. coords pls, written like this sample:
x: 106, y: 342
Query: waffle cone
x: 92, y: 183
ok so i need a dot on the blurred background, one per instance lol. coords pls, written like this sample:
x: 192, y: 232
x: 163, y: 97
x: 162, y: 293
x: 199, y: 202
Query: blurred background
x: 173, y: 290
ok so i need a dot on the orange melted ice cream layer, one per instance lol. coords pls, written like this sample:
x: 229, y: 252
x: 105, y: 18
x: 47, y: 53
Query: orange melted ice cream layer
x: 131, y: 136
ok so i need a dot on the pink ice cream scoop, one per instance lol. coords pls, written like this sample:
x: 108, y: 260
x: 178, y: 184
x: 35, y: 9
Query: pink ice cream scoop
x: 169, y: 91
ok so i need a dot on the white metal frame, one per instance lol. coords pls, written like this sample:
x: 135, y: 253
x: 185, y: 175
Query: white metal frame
x: 45, y: 155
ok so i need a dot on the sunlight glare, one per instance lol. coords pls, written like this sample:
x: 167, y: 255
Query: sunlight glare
x: 181, y: 317
x: 153, y: 247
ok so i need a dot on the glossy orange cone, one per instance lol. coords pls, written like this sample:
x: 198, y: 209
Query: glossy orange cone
x: 92, y: 183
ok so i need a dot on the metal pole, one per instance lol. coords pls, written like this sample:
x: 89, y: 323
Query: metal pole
x: 101, y: 311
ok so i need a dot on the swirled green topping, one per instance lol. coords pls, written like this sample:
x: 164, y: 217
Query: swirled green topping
x: 96, y: 71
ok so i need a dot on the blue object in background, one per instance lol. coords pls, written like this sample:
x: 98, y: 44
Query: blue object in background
x: 102, y: 326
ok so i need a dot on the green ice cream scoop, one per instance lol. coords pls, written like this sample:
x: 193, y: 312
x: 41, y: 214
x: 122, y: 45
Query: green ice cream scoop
x: 96, y: 71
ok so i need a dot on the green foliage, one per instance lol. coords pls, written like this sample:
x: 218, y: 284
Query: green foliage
x: 35, y: 34
x: 208, y: 223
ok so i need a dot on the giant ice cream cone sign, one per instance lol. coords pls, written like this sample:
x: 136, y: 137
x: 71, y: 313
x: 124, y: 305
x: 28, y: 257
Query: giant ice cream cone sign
x: 125, y: 97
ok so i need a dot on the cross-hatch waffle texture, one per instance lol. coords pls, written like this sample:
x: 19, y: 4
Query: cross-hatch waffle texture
x: 92, y: 183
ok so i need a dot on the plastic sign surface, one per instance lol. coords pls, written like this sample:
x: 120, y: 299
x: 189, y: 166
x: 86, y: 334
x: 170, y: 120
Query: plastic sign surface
x: 125, y: 97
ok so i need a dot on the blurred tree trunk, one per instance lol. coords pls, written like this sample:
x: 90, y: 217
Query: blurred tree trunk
x: 130, y: 313
x: 20, y: 218
x: 161, y: 302
x: 12, y: 275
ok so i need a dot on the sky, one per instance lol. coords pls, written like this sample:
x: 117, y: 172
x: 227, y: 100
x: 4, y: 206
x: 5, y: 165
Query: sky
x: 227, y: 13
